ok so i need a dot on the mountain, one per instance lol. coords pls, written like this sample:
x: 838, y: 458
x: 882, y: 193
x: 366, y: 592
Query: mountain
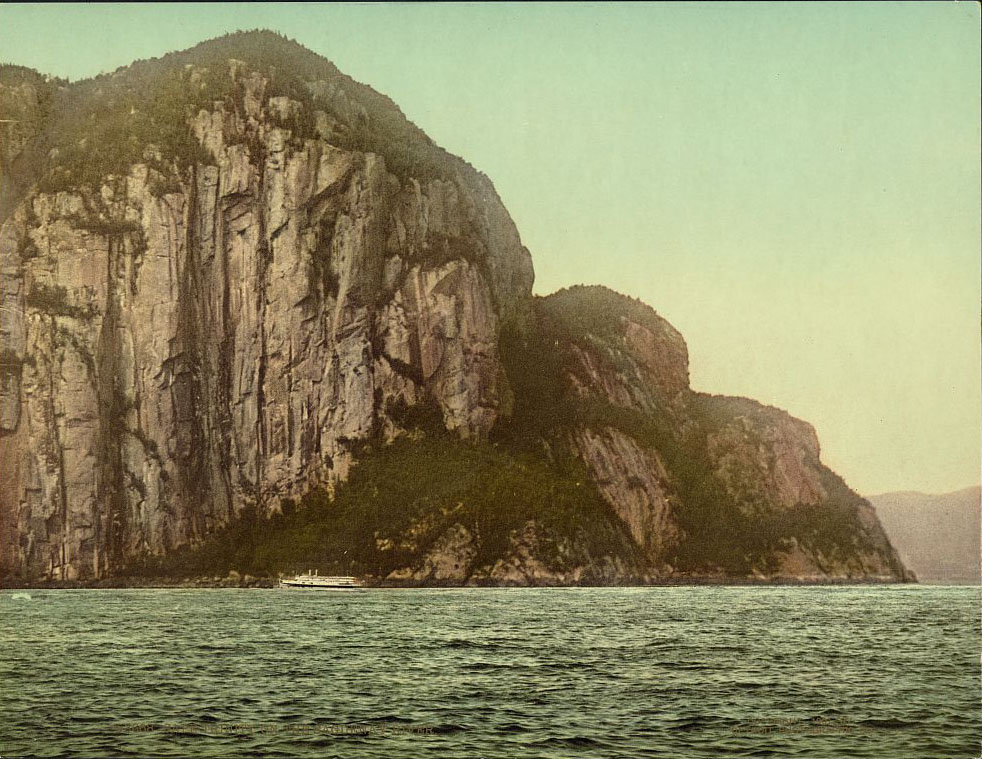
x: 254, y: 319
x: 938, y: 536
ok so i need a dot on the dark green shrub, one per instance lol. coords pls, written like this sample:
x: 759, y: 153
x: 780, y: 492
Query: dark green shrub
x: 54, y: 300
x: 400, y: 499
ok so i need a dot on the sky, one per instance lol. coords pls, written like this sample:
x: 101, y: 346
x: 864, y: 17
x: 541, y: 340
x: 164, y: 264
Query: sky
x: 795, y: 186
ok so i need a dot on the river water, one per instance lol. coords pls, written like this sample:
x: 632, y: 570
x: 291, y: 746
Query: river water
x: 830, y: 672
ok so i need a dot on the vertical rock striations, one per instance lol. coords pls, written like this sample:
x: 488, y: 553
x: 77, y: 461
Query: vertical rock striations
x: 179, y: 347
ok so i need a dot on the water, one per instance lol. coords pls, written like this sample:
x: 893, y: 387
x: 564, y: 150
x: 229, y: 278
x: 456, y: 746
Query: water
x: 836, y: 673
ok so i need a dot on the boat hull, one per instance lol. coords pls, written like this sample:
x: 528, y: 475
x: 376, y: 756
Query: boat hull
x: 317, y: 582
x: 304, y: 586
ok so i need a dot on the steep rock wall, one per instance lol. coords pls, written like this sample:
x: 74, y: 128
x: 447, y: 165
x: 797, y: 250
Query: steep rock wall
x: 671, y: 461
x: 178, y: 350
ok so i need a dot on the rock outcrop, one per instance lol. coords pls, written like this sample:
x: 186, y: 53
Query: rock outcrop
x: 707, y: 485
x: 214, y: 308
x: 174, y: 355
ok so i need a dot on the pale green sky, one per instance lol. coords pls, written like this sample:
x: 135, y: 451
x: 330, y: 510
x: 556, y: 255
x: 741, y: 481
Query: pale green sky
x: 795, y: 186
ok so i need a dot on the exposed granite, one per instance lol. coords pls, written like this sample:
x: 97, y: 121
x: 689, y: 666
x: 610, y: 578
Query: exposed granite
x: 183, y: 354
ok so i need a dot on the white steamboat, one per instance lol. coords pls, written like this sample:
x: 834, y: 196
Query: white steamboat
x: 325, y: 582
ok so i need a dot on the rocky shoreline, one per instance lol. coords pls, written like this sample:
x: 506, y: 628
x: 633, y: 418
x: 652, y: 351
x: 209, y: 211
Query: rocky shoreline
x: 248, y: 581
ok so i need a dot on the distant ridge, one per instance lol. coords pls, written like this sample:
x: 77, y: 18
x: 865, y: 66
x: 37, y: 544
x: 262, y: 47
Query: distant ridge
x: 937, y: 535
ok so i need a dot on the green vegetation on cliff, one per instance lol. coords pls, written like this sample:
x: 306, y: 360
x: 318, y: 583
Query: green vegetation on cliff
x: 101, y: 126
x: 398, y: 503
x: 575, y: 313
x: 26, y: 101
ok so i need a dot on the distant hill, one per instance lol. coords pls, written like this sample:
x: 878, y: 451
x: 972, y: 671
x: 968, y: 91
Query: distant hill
x: 936, y: 535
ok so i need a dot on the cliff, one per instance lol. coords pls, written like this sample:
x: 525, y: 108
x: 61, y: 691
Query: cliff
x: 708, y: 486
x: 233, y: 280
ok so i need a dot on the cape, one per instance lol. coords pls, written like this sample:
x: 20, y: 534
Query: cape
x: 255, y: 320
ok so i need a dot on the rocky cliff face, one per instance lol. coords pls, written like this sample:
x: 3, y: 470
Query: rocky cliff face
x: 708, y: 485
x: 196, y: 335
x: 174, y: 355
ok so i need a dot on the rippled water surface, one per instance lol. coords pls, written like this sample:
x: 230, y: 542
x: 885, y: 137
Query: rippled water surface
x: 890, y: 671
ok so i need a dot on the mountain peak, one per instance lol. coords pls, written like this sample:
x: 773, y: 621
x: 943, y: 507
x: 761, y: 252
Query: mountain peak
x: 260, y: 48
x: 96, y: 128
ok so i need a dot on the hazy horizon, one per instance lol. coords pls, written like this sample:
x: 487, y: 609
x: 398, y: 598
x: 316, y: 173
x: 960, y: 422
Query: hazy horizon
x: 795, y: 187
x: 920, y: 492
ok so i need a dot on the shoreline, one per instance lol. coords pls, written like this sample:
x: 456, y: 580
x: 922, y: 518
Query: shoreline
x: 247, y: 582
